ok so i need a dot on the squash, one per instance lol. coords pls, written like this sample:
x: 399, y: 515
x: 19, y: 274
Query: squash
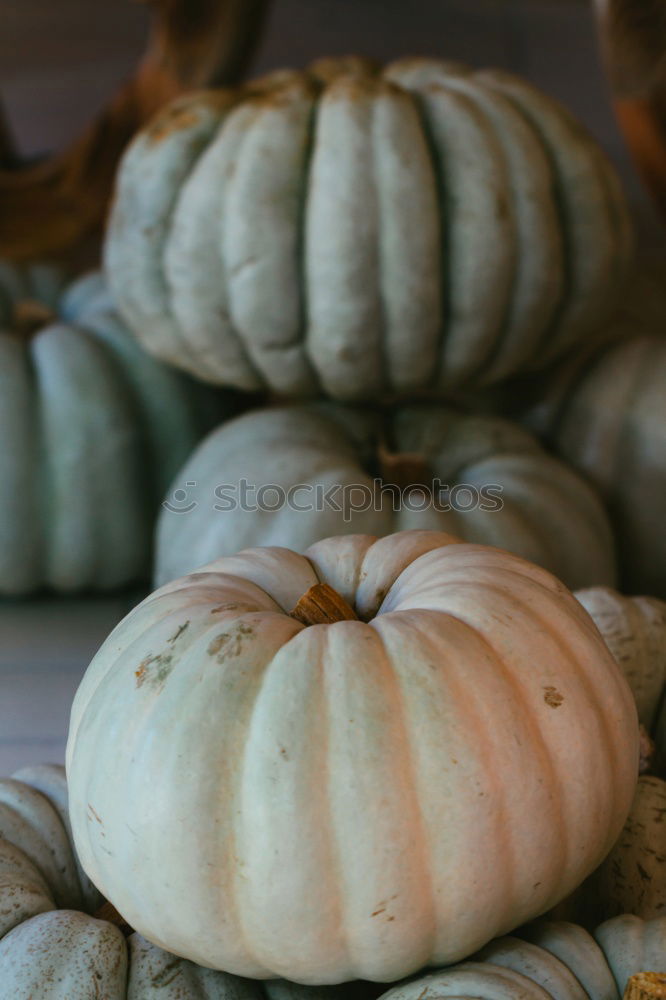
x: 605, y: 414
x: 91, y: 432
x: 552, y: 960
x: 634, y: 629
x: 325, y: 471
x: 366, y: 234
x: 632, y: 879
x: 58, y: 940
x: 349, y: 763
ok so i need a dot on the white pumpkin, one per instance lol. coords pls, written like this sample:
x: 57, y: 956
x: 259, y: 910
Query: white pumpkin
x: 355, y: 799
x: 505, y: 490
x: 91, y: 432
x: 606, y: 416
x: 54, y: 947
x: 632, y: 879
x: 634, y: 629
x: 366, y: 233
x: 551, y: 961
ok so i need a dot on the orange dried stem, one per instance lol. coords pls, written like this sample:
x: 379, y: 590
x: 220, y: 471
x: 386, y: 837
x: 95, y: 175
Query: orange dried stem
x: 51, y: 209
x: 322, y: 605
x: 646, y: 986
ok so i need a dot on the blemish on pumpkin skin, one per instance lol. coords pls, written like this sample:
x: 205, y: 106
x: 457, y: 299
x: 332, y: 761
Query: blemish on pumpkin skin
x: 154, y: 670
x: 179, y: 631
x: 552, y: 697
x: 168, y: 974
x: 95, y: 815
x: 180, y: 117
x: 172, y: 120
x: 229, y: 644
x: 230, y: 607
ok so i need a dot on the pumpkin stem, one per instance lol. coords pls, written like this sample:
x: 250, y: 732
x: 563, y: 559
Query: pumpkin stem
x: 646, y: 986
x: 404, y: 470
x: 29, y: 316
x: 322, y: 605
x: 108, y: 912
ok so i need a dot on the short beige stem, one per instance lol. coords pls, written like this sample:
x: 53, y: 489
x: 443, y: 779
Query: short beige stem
x: 108, y: 912
x: 646, y: 986
x: 29, y: 316
x: 322, y: 605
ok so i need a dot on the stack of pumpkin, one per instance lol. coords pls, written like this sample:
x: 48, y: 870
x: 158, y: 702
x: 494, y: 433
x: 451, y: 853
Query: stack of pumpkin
x: 360, y: 746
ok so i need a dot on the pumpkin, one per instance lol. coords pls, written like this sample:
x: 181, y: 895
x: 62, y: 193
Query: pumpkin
x: 349, y: 763
x: 634, y: 629
x: 552, y: 960
x: 55, y: 938
x: 606, y: 416
x: 91, y: 432
x: 504, y: 490
x: 366, y: 234
x: 632, y: 879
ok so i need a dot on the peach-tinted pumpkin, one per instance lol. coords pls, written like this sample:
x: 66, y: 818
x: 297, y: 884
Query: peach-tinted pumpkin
x: 446, y: 758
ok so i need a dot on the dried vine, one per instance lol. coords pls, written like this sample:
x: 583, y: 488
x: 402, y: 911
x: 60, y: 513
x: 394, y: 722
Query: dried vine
x: 50, y: 208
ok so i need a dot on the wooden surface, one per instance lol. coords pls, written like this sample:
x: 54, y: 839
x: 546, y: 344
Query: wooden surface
x: 45, y: 647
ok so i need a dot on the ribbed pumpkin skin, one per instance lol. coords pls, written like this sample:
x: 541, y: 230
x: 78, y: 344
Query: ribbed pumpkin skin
x: 354, y: 800
x: 632, y: 878
x: 557, y: 959
x: 366, y: 234
x: 634, y: 629
x: 91, y: 432
x: 549, y: 515
x: 608, y: 419
x: 50, y: 946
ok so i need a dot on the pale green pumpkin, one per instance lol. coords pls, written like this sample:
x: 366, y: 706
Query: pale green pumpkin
x: 366, y: 234
x: 605, y: 414
x: 551, y: 961
x: 53, y: 947
x: 634, y: 629
x: 376, y: 790
x: 91, y: 431
x: 546, y: 513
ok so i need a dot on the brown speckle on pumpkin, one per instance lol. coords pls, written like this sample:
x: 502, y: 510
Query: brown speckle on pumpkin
x: 167, y: 975
x: 552, y: 696
x: 94, y: 815
x: 179, y: 631
x: 229, y: 644
x: 154, y: 670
